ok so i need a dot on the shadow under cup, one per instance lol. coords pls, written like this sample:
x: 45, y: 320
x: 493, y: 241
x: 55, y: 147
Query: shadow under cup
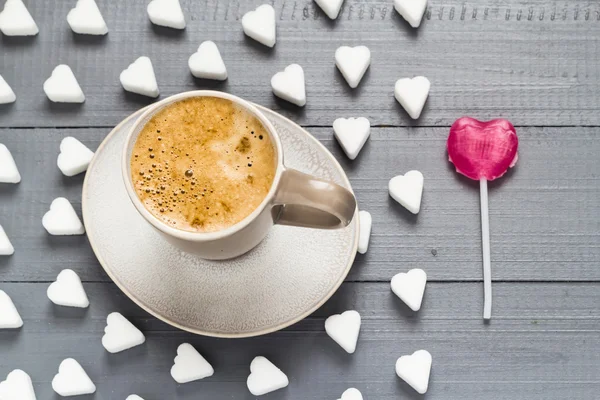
x: 294, y: 198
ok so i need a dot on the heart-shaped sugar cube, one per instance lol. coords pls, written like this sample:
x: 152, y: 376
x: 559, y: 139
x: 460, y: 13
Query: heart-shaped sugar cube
x: 9, y: 316
x: 351, y: 394
x: 68, y: 291
x: 289, y: 85
x: 6, y: 93
x: 410, y: 287
x: 365, y: 222
x: 352, y: 134
x: 15, y: 20
x: 190, y: 365
x: 412, y: 94
x: 61, y: 219
x: 265, y: 377
x: 17, y: 386
x: 407, y: 190
x: 74, y: 156
x: 482, y: 150
x: 166, y: 13
x: 6, y: 247
x: 344, y: 329
x: 353, y: 63
x: 86, y: 18
x: 415, y: 369
x: 207, y: 62
x: 72, y: 380
x: 62, y: 86
x: 411, y: 10
x: 120, y: 334
x: 260, y: 25
x: 139, y: 78
x: 330, y: 7
x: 9, y: 173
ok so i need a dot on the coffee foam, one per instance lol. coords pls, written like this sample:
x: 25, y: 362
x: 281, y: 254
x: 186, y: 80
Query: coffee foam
x: 203, y: 164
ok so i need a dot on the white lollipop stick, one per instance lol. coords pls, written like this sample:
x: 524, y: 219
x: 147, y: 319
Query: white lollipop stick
x: 485, y: 246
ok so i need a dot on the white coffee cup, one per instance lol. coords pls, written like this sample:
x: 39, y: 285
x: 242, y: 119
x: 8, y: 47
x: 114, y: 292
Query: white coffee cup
x: 294, y: 198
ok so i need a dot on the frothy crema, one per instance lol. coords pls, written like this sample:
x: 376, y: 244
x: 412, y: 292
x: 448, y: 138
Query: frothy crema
x: 203, y: 164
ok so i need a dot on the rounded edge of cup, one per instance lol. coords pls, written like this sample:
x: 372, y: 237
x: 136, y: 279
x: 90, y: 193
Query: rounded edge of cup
x: 200, y: 236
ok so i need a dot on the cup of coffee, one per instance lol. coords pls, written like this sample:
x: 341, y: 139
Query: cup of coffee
x: 206, y: 169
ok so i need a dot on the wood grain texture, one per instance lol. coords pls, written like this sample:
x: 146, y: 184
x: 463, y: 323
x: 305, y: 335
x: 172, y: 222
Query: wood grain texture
x: 543, y: 343
x: 517, y: 304
x: 534, y: 62
x: 545, y: 214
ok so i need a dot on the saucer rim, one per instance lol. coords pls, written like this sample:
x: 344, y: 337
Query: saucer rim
x: 148, y: 309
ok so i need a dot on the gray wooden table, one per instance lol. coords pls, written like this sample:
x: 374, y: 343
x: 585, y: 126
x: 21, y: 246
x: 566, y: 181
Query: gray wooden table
x: 535, y: 62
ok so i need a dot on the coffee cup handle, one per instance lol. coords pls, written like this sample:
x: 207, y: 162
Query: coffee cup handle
x: 306, y: 201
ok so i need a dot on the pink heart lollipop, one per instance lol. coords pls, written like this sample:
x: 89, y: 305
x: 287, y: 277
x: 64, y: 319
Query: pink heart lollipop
x: 483, y: 151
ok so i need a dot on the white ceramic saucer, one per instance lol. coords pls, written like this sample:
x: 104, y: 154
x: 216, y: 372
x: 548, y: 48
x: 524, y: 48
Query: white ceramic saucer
x: 283, y: 280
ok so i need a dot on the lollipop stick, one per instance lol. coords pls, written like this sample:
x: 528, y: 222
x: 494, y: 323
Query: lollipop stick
x: 485, y: 246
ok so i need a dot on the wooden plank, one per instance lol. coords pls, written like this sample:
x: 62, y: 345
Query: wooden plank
x: 542, y: 344
x: 545, y: 215
x: 532, y: 62
x: 518, y: 305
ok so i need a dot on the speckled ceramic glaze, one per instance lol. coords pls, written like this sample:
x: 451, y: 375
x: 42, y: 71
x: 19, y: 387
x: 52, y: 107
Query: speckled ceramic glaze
x: 285, y: 278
